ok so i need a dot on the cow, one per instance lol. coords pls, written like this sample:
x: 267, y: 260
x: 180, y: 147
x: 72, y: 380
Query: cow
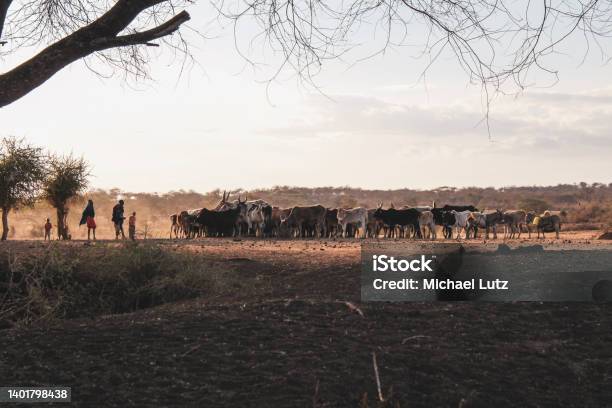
x: 357, y: 217
x: 220, y: 223
x: 277, y: 216
x: 252, y: 219
x: 544, y: 223
x: 266, y: 212
x: 258, y: 214
x: 445, y: 219
x: 393, y: 218
x: 514, y: 222
x: 374, y: 225
x: 303, y: 219
x: 188, y: 221
x: 183, y: 223
x: 331, y: 222
x: 487, y: 221
x: 427, y: 226
x: 448, y: 221
x: 175, y: 226
x: 461, y: 222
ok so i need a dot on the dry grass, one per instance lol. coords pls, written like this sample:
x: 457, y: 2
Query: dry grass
x: 52, y: 283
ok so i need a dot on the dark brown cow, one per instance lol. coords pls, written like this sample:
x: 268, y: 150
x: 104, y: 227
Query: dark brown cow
x: 220, y: 223
x: 191, y: 228
x: 303, y: 219
x: 331, y: 222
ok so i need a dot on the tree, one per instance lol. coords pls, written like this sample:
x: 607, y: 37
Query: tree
x: 22, y: 171
x: 77, y: 29
x: 495, y: 41
x: 534, y: 204
x: 66, y: 179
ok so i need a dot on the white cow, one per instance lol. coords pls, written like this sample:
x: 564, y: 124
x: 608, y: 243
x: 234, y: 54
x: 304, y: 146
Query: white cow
x: 461, y: 222
x: 256, y: 216
x: 427, y: 224
x: 358, y: 217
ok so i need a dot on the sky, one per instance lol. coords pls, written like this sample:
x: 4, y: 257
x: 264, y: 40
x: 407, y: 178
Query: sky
x: 373, y: 124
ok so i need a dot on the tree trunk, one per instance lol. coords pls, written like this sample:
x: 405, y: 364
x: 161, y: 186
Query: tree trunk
x: 5, y: 225
x: 62, y: 231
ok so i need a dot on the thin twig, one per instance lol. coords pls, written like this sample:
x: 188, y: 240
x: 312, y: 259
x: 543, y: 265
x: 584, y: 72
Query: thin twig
x: 418, y: 336
x: 315, y: 397
x: 191, y: 350
x: 380, y: 395
x: 354, y: 308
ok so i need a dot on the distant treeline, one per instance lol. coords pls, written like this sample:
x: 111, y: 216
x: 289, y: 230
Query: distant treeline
x: 584, y: 203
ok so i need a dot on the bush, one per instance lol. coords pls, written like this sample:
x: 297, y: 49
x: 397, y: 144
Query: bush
x: 534, y: 204
x: 591, y: 213
x: 96, y: 282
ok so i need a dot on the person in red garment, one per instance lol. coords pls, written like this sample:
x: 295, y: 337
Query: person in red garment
x: 88, y: 218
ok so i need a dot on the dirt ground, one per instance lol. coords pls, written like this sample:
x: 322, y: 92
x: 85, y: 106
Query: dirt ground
x: 285, y: 336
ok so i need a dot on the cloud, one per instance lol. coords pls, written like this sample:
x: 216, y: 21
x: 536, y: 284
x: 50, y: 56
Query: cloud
x: 540, y: 121
x: 600, y: 96
x: 360, y: 115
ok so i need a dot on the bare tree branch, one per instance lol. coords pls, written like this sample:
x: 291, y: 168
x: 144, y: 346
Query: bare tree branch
x: 498, y: 43
x: 144, y: 37
x: 101, y: 34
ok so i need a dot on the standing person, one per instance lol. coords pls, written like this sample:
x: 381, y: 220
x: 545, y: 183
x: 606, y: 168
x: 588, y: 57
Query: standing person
x: 118, y: 218
x: 48, y: 228
x: 88, y: 218
x: 132, y: 226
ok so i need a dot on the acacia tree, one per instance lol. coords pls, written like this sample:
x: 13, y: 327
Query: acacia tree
x: 495, y: 41
x: 66, y: 179
x: 22, y: 171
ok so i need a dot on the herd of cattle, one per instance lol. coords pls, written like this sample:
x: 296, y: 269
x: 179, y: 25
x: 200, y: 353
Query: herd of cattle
x: 259, y: 218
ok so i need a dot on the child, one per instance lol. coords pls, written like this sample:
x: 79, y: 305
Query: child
x: 132, y: 226
x: 48, y: 228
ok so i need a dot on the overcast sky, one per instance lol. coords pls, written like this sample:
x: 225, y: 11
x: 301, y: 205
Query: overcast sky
x: 375, y: 124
